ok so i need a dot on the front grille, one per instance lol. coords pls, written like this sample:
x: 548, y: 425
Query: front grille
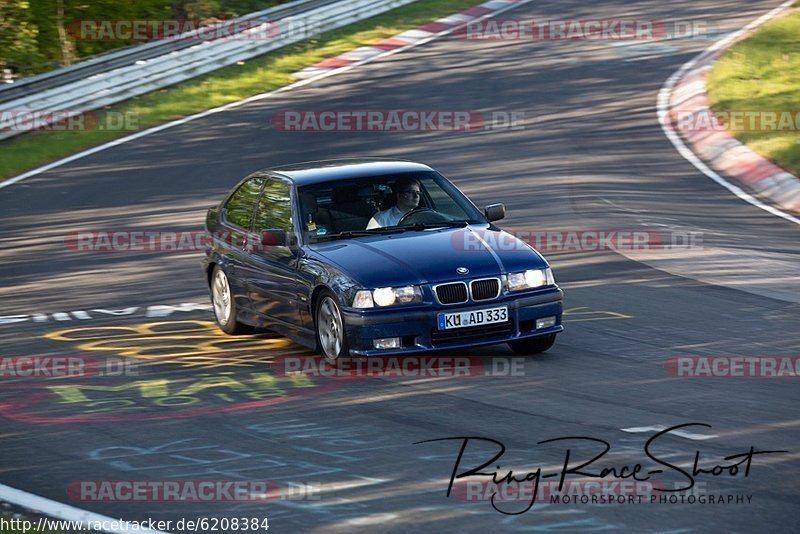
x: 485, y: 289
x: 454, y: 293
x: 471, y: 334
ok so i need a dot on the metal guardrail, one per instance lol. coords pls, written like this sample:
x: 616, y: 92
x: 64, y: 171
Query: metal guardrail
x: 133, y: 71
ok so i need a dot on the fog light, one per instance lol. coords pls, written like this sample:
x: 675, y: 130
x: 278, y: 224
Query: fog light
x: 387, y: 343
x: 545, y: 322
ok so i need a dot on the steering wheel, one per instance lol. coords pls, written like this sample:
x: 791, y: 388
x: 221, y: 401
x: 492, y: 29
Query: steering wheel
x: 421, y: 215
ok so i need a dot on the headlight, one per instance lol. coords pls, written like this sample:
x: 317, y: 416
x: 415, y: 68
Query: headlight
x: 387, y: 296
x: 530, y: 279
x: 384, y: 296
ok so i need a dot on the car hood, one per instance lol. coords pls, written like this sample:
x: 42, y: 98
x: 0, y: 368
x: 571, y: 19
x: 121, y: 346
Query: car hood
x: 429, y: 256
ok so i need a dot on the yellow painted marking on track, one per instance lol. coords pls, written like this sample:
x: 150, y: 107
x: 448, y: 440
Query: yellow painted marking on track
x: 584, y: 313
x: 202, y: 328
x: 186, y: 343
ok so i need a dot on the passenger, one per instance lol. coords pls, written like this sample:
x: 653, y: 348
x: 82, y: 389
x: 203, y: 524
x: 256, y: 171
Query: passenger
x: 406, y: 193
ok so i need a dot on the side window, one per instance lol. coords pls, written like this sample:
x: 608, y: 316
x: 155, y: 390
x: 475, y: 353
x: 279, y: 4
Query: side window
x: 274, y: 207
x: 239, y: 209
x: 442, y: 201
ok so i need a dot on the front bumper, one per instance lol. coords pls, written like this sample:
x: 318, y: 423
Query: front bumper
x: 419, y: 332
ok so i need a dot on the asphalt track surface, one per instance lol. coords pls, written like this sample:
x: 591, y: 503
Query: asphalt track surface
x: 591, y: 156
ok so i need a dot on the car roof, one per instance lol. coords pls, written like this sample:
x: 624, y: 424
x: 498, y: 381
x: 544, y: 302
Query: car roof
x: 314, y: 172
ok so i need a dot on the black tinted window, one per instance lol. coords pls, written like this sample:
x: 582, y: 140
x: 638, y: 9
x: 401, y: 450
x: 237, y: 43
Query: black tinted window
x: 274, y: 208
x: 239, y: 209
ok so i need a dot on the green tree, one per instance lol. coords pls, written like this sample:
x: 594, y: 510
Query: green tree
x: 18, y: 45
x: 65, y: 42
x: 36, y: 36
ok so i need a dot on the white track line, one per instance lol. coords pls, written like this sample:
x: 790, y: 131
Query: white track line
x: 64, y: 511
x: 682, y: 433
x: 663, y: 110
x: 71, y: 513
x: 232, y: 105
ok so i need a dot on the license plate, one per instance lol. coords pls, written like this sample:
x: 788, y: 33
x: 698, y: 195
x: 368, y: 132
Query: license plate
x: 472, y: 318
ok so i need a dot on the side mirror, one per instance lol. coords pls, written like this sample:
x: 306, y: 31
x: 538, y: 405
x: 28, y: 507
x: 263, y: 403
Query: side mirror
x: 494, y: 212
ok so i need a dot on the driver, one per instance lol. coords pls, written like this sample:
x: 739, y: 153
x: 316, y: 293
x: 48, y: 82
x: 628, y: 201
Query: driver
x: 407, y: 193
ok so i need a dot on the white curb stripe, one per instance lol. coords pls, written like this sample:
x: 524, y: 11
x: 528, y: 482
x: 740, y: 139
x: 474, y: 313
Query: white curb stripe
x: 361, y: 53
x: 310, y: 72
x: 457, y: 19
x: 413, y: 35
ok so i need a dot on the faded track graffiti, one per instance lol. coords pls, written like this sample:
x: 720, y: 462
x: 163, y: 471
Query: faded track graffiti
x: 227, y: 374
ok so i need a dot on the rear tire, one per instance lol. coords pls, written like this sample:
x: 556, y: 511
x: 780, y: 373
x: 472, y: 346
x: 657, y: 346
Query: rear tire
x: 329, y: 326
x: 533, y: 345
x: 224, y: 304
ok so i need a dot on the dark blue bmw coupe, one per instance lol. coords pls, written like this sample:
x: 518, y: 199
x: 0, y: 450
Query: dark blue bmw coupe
x: 374, y: 257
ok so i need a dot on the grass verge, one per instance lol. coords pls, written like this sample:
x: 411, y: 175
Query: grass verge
x: 762, y: 73
x: 223, y: 86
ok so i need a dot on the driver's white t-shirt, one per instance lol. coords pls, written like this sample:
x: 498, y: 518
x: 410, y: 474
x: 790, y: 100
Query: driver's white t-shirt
x: 388, y: 217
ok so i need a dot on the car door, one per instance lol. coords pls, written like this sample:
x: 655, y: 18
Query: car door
x: 236, y: 222
x: 271, y: 260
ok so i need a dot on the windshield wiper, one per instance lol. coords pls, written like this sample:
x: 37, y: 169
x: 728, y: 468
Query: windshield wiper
x: 361, y: 233
x: 440, y: 224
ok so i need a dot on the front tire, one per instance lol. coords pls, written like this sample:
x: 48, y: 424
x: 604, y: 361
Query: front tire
x: 224, y: 303
x: 329, y: 324
x: 532, y: 345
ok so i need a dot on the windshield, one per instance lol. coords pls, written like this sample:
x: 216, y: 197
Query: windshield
x: 383, y: 204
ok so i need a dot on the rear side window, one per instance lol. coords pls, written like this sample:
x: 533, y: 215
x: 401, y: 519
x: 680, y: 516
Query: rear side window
x: 274, y: 208
x: 239, y: 209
